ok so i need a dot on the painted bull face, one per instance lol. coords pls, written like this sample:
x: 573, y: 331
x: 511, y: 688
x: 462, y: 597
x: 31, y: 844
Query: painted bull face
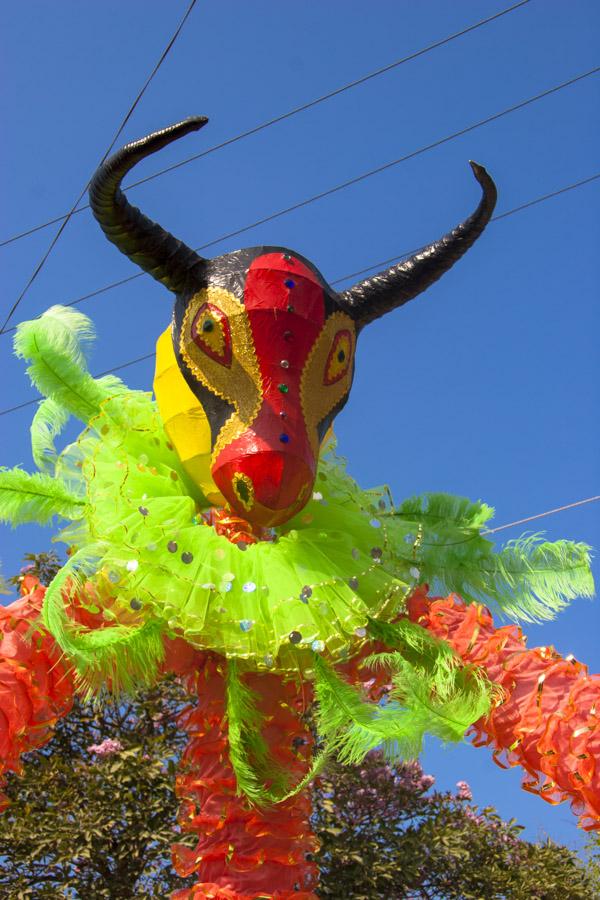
x: 265, y: 345
x: 270, y: 357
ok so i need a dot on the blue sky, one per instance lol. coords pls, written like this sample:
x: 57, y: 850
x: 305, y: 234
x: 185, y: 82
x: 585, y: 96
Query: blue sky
x: 486, y: 386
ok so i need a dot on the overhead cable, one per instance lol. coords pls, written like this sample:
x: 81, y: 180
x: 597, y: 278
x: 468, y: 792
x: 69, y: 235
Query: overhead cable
x: 352, y: 181
x: 287, y: 115
x: 56, y: 237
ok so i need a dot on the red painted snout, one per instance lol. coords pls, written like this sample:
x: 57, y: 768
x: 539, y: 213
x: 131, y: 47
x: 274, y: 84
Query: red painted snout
x: 267, y: 487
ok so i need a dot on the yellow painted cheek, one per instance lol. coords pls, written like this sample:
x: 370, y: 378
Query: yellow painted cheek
x: 184, y: 419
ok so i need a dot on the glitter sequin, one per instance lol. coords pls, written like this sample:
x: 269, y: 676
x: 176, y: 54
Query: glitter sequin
x: 187, y: 558
x: 317, y: 646
x: 414, y: 572
x: 132, y: 565
x: 246, y: 624
x: 143, y: 510
x: 353, y: 582
x: 295, y: 637
x: 172, y: 546
x: 306, y: 593
x: 360, y: 632
x: 249, y: 587
x: 282, y: 388
x: 375, y: 523
x: 376, y: 552
x: 135, y: 603
x: 285, y: 363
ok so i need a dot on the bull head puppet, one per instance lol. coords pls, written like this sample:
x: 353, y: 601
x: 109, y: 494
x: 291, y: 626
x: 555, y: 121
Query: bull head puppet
x: 261, y: 352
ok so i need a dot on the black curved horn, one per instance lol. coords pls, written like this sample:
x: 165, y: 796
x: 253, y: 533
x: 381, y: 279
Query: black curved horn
x: 153, y: 249
x: 373, y: 297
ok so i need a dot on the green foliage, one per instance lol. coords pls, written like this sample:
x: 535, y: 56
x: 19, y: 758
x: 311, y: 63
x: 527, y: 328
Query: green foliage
x: 42, y: 566
x: 384, y: 834
x: 98, y: 824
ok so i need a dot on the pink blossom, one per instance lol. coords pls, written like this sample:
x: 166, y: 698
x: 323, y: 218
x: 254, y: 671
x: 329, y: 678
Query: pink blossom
x: 107, y: 747
x: 464, y: 791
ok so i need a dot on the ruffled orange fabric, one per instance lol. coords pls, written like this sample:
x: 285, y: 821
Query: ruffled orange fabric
x: 548, y: 717
x: 36, y: 687
x: 243, y: 852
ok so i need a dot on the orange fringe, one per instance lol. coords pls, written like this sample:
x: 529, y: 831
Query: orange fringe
x: 36, y: 687
x: 242, y: 852
x: 548, y: 720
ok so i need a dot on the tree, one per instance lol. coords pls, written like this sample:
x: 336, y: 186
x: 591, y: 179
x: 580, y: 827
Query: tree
x: 385, y: 833
x: 95, y: 812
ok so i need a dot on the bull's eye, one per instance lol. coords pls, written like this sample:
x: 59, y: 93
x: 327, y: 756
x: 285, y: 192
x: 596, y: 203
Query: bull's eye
x: 339, y: 357
x: 210, y: 332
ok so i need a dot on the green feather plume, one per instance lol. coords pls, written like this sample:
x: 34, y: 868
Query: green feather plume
x: 432, y: 692
x: 259, y: 777
x: 122, y: 657
x: 53, y: 346
x: 248, y: 750
x: 48, y: 422
x: 530, y: 579
x: 445, y: 511
x: 35, y: 498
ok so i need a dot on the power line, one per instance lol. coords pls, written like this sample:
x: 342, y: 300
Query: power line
x: 147, y: 356
x: 549, y: 512
x: 352, y: 181
x: 510, y: 212
x: 287, y: 115
x: 56, y: 237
